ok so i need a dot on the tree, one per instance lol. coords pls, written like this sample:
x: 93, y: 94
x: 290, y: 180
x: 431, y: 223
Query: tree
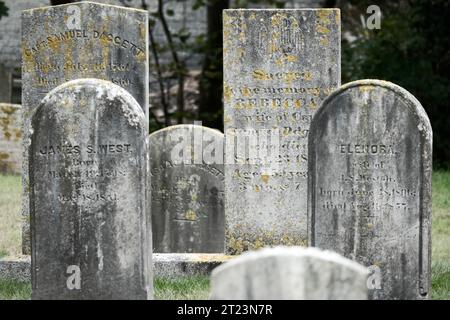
x: 3, y: 9
x: 412, y: 49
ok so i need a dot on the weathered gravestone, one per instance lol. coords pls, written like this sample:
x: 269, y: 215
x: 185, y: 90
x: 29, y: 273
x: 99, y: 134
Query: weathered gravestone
x: 89, y: 199
x: 10, y: 138
x: 293, y: 273
x: 186, y: 163
x: 278, y: 66
x: 80, y: 40
x: 370, y: 185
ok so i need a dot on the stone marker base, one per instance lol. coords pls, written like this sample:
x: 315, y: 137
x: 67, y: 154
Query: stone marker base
x: 171, y: 265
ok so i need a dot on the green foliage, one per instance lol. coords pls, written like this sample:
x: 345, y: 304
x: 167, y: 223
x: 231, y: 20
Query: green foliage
x: 412, y: 50
x: 3, y: 9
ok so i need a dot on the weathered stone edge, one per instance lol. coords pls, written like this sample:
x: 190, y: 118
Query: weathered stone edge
x: 169, y: 265
x: 87, y: 3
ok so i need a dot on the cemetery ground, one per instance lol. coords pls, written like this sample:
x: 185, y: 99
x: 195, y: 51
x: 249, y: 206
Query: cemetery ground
x: 198, y: 287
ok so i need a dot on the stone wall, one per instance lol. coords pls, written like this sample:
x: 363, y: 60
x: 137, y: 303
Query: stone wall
x: 10, y: 139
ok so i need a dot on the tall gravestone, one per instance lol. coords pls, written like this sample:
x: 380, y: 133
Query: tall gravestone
x: 186, y: 164
x: 89, y: 199
x: 278, y: 66
x: 370, y: 185
x: 292, y: 273
x: 80, y: 40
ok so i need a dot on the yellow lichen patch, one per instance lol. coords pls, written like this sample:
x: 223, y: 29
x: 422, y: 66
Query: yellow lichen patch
x: 257, y: 189
x: 307, y: 76
x: 246, y: 92
x: 291, y: 58
x: 322, y: 29
x: 240, y: 241
x: 226, y: 119
x: 323, y: 16
x: 17, y: 134
x: 4, y: 156
x: 190, y: 215
x: 273, y: 47
x: 234, y: 245
x: 279, y: 62
x: 365, y: 88
x: 227, y: 19
x: 242, y: 105
x: 337, y: 17
x: 298, y: 104
x: 312, y: 105
x: 227, y: 93
x: 289, y: 77
x: 324, y: 41
x: 260, y: 75
x: 274, y: 104
x: 211, y: 258
x: 265, y: 178
x: 143, y: 31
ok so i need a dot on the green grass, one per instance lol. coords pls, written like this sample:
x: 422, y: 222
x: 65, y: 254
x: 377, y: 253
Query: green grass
x: 195, y: 288
x: 10, y: 227
x: 441, y: 236
x: 14, y: 290
x: 198, y: 287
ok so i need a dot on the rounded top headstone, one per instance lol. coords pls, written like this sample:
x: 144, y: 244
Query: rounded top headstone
x: 363, y: 88
x: 289, y: 273
x: 187, y: 189
x: 107, y: 95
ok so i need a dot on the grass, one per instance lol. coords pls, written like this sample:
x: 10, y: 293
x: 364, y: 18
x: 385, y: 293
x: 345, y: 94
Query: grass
x: 14, y: 290
x: 198, y: 287
x: 440, y: 276
x: 10, y: 226
x: 195, y: 288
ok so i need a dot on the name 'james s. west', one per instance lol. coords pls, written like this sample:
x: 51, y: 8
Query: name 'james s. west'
x: 89, y: 149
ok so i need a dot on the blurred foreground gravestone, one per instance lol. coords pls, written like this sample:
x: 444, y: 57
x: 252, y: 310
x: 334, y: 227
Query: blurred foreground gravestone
x: 289, y: 273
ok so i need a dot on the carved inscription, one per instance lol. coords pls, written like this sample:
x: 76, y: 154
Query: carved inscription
x: 369, y: 185
x: 187, y: 189
x: 277, y: 72
x: 80, y: 41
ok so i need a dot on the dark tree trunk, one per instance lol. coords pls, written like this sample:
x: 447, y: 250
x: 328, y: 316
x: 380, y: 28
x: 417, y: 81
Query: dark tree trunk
x: 211, y: 82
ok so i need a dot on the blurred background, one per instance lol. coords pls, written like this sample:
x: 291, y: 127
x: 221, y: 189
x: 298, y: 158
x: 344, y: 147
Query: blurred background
x: 411, y: 48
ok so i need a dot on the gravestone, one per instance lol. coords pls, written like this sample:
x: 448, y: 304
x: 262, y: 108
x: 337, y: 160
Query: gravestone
x: 89, y: 199
x: 370, y: 185
x: 278, y: 66
x: 186, y: 165
x: 10, y: 138
x: 289, y: 273
x: 81, y: 40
